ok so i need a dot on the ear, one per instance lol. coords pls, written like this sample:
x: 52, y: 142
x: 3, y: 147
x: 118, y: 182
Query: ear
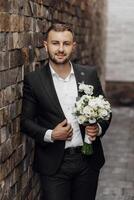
x: 45, y: 45
x: 74, y: 46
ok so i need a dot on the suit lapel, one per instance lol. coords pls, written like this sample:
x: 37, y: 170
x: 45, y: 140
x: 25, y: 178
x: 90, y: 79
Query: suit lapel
x: 49, y: 89
x: 80, y: 75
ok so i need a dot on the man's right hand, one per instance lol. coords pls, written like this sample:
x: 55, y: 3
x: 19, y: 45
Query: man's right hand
x: 63, y: 131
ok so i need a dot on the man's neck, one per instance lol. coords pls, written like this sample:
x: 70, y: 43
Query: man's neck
x: 63, y: 70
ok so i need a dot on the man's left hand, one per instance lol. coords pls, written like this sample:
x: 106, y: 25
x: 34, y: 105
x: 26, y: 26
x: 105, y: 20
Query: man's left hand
x: 92, y: 131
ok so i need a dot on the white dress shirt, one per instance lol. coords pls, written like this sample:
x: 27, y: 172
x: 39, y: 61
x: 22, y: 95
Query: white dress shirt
x: 66, y: 90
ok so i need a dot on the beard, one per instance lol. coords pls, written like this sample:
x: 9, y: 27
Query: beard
x: 55, y: 60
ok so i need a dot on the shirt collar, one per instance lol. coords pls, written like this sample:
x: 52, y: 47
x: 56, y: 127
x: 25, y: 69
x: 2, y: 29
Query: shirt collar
x: 57, y: 75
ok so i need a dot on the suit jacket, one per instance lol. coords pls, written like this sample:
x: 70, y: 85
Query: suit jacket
x: 41, y: 111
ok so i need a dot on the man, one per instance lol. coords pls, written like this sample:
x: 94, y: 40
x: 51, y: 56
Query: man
x: 48, y: 101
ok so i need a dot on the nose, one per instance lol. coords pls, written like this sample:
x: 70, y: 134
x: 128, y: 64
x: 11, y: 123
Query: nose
x: 61, y: 49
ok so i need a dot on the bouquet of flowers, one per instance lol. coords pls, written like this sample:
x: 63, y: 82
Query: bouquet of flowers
x: 88, y: 110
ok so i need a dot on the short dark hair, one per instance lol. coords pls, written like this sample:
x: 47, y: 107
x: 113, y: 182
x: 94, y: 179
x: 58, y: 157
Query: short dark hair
x: 60, y: 27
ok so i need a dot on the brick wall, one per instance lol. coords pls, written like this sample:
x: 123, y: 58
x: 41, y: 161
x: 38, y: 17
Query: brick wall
x: 23, y: 24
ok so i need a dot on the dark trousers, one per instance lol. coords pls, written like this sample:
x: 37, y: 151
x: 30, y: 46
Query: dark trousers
x: 75, y: 180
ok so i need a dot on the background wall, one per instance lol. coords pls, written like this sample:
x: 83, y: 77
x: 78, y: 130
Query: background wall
x: 23, y: 24
x: 120, y: 52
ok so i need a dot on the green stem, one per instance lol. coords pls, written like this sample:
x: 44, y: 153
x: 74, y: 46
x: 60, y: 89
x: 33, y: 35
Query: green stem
x: 87, y: 149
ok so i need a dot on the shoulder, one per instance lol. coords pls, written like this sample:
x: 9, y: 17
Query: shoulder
x: 33, y: 76
x: 33, y: 73
x: 89, y: 69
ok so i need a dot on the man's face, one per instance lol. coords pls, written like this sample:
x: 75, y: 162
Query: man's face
x: 59, y: 46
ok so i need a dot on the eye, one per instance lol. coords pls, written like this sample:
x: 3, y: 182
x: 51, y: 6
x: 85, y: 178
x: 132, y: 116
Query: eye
x: 55, y: 43
x: 67, y: 43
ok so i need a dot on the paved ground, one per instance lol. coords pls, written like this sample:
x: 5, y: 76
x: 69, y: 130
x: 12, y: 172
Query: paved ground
x: 117, y: 176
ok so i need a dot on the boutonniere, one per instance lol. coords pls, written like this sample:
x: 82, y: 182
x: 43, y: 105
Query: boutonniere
x: 87, y: 89
x: 88, y: 110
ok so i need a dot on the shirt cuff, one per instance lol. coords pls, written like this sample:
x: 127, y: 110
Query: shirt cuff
x: 47, y: 136
x: 100, y: 130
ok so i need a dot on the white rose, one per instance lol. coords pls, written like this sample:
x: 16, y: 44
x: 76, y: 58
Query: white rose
x: 81, y: 119
x: 89, y: 112
x: 103, y: 113
x: 81, y: 87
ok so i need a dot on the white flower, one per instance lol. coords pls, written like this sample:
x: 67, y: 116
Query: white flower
x: 88, y: 111
x: 103, y: 113
x: 81, y: 119
x: 88, y: 89
x: 89, y: 108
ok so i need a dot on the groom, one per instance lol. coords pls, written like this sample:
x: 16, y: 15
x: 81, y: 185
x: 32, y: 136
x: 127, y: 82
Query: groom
x: 49, y: 95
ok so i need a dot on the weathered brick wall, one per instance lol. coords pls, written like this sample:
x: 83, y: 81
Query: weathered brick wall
x: 23, y: 24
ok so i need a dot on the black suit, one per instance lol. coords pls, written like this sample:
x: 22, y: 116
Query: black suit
x: 41, y: 111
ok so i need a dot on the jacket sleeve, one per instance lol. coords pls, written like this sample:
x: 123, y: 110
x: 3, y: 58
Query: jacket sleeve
x: 28, y: 123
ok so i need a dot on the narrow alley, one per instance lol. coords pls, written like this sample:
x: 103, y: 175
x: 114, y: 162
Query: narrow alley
x: 117, y: 176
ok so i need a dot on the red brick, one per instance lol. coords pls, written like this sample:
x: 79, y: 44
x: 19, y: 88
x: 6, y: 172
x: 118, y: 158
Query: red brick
x: 21, y: 24
x: 29, y: 24
x: 3, y: 42
x: 4, y: 60
x: 4, y: 6
x: 10, y: 77
x: 16, y: 58
x: 3, y: 134
x: 14, y: 23
x: 4, y: 22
